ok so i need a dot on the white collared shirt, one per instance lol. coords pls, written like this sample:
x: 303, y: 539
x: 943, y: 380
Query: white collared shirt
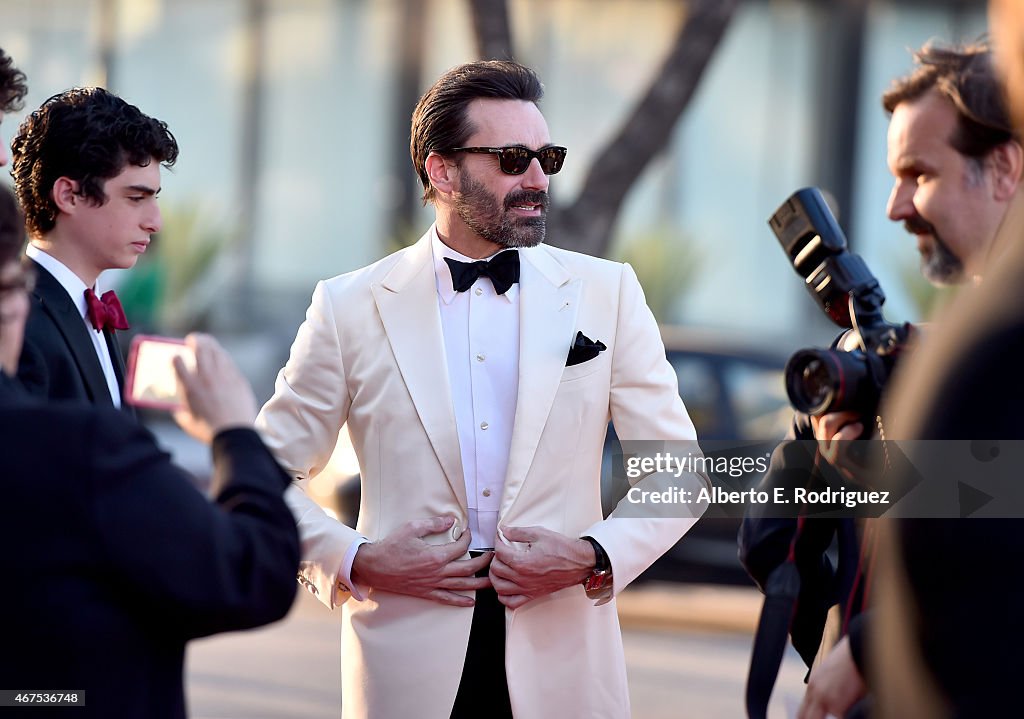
x: 481, y: 342
x: 76, y: 288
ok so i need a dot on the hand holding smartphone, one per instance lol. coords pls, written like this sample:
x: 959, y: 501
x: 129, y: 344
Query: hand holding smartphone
x: 152, y: 381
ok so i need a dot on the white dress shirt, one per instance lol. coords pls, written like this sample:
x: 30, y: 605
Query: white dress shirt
x: 481, y: 342
x: 75, y: 288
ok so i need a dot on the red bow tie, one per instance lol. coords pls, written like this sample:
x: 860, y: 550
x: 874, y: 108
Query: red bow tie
x: 105, y: 312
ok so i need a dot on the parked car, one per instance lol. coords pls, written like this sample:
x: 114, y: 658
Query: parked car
x: 732, y: 389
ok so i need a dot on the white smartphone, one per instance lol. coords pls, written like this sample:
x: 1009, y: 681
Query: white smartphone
x: 152, y: 381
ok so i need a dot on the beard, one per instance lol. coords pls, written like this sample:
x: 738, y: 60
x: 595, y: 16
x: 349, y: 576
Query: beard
x: 481, y: 212
x: 939, y: 264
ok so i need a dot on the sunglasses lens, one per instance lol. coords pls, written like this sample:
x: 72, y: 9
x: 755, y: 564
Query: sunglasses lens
x: 514, y: 160
x: 551, y: 159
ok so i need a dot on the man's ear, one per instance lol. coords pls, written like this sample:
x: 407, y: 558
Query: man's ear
x: 1008, y: 165
x: 441, y: 173
x: 65, y: 194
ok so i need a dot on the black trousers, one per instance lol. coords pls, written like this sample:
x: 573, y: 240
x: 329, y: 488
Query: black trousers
x: 483, y: 689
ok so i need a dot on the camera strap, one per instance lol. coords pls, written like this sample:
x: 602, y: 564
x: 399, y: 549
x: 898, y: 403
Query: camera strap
x: 780, y: 594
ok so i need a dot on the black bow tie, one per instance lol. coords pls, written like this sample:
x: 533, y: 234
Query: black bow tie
x: 502, y: 269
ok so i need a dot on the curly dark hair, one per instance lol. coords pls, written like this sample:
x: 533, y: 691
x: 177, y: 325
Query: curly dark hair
x: 967, y: 76
x: 88, y: 135
x: 439, y: 121
x: 12, y: 85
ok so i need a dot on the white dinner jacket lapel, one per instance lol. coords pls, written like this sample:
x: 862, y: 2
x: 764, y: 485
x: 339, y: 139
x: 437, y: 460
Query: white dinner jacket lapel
x: 548, y: 308
x: 407, y: 302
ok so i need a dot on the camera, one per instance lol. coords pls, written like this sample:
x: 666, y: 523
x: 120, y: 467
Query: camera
x: 829, y: 380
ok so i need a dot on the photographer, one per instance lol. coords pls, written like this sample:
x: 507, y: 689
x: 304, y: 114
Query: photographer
x: 957, y: 165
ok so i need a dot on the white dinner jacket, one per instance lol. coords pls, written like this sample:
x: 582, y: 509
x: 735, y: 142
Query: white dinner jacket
x: 371, y: 353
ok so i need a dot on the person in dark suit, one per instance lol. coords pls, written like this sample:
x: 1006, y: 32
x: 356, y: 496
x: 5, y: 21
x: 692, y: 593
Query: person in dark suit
x: 87, y: 172
x: 101, y: 592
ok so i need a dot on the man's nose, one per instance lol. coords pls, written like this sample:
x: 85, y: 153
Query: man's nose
x: 534, y: 177
x: 153, y: 220
x: 901, y: 201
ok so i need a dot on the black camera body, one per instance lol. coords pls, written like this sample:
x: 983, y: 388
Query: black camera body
x: 827, y: 380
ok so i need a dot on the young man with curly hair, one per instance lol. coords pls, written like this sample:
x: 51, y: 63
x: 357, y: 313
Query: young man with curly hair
x: 87, y: 173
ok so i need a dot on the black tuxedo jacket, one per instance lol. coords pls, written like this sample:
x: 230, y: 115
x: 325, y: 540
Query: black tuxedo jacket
x: 58, y: 360
x: 112, y: 561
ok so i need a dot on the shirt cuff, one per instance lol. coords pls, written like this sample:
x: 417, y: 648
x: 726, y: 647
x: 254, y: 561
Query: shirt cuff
x: 345, y: 582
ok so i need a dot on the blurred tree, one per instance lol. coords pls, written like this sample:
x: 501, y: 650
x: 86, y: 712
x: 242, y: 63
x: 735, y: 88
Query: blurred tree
x: 492, y: 29
x: 409, y: 53
x: 254, y: 51
x: 586, y: 223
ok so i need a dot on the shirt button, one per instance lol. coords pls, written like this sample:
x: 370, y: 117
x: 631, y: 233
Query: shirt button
x: 484, y: 425
x: 486, y: 492
x: 478, y: 291
x: 481, y: 357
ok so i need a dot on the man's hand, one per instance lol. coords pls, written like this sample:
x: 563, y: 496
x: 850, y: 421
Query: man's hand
x: 835, y: 685
x: 836, y: 426
x: 834, y: 431
x: 550, y: 561
x: 402, y: 563
x: 217, y: 396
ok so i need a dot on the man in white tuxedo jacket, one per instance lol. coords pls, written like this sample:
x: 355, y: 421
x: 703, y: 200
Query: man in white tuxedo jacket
x: 480, y: 576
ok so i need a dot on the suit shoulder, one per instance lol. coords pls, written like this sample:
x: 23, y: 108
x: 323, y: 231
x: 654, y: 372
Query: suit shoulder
x: 607, y: 273
x: 581, y: 262
x: 70, y: 418
x: 572, y: 259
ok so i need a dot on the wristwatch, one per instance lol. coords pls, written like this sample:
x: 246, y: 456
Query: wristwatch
x: 598, y: 582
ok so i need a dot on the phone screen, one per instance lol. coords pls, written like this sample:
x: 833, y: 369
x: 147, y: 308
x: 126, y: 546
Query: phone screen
x: 152, y: 381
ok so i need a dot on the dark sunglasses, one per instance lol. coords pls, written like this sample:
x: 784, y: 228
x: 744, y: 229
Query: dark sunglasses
x: 516, y: 160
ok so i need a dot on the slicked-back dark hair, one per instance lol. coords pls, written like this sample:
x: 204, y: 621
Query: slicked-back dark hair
x: 88, y: 135
x: 966, y: 75
x: 12, y: 84
x: 440, y: 120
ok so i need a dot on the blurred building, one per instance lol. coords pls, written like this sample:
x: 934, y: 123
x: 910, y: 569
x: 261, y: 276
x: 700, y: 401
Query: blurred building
x: 293, y: 121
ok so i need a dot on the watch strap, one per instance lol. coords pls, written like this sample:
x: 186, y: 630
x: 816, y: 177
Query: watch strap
x: 601, y: 563
x: 598, y: 583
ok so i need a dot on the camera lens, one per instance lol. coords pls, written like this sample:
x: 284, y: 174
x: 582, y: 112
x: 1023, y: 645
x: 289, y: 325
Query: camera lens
x: 820, y: 381
x: 813, y: 381
x: 816, y: 382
